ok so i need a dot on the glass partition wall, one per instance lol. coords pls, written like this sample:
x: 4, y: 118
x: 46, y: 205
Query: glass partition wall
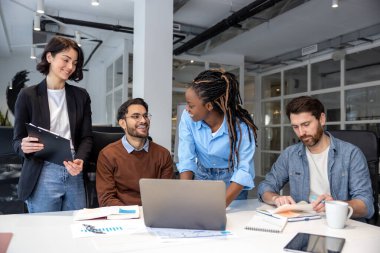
x: 348, y: 86
x: 118, y: 87
x: 114, y: 89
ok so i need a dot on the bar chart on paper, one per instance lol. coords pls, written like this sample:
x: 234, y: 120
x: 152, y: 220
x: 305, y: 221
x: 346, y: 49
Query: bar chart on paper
x: 103, y: 230
x: 99, y: 228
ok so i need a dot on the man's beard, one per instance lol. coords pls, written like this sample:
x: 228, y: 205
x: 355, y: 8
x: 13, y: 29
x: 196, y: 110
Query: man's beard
x: 312, y: 139
x: 133, y: 132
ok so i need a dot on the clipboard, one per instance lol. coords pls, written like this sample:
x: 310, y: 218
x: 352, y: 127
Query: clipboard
x: 56, y: 148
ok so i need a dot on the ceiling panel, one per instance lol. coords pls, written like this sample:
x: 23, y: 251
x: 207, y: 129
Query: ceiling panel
x: 309, y: 23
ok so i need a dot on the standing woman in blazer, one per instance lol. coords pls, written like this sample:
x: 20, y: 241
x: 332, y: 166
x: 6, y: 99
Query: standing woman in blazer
x: 64, y: 109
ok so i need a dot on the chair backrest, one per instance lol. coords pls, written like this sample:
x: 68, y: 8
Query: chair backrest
x: 6, y: 136
x: 108, y: 129
x: 368, y: 142
x: 7, y: 154
x: 101, y: 140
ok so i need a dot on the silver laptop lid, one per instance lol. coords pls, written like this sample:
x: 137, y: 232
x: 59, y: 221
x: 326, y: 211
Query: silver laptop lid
x: 187, y: 204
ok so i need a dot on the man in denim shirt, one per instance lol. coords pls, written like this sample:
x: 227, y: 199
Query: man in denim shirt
x: 320, y: 167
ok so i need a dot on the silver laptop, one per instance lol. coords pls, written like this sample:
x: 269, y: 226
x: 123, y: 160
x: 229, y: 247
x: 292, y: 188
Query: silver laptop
x: 186, y: 204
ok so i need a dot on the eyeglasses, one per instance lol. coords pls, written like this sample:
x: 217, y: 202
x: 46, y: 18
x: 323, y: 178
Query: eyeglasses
x: 138, y: 116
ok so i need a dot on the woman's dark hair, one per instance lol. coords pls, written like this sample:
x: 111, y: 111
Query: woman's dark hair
x: 305, y: 104
x: 221, y: 89
x: 56, y: 45
x: 123, y: 109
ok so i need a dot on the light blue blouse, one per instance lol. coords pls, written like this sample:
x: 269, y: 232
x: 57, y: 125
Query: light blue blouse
x: 197, y: 143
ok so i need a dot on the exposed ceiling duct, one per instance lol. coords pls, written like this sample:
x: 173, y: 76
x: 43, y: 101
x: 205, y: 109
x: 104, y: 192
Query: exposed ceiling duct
x: 177, y: 37
x: 52, y: 27
x: 338, y: 44
x: 115, y: 28
x: 233, y: 20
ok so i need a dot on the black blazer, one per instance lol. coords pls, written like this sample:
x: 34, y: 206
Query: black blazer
x: 32, y: 106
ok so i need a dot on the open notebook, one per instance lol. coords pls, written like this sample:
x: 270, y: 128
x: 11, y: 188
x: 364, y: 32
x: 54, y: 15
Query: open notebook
x: 294, y: 212
x: 266, y: 223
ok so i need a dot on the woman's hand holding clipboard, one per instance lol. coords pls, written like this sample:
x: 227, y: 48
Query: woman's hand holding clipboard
x: 55, y: 149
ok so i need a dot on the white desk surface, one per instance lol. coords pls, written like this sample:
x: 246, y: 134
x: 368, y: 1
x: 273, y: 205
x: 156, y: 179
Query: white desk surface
x: 50, y: 232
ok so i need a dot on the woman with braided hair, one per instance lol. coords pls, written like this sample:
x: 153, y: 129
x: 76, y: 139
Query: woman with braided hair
x: 216, y: 135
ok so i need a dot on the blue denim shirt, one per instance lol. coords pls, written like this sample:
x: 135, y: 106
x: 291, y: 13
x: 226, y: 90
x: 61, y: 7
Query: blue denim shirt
x: 197, y: 144
x: 347, y: 172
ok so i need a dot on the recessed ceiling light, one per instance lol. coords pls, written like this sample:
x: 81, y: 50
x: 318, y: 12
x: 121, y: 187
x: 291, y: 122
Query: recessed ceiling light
x: 95, y: 2
x: 334, y: 4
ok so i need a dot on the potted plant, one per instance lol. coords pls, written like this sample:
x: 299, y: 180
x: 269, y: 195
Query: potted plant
x: 4, y: 121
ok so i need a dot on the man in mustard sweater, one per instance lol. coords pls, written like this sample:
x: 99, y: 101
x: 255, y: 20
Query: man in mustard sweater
x: 121, y: 164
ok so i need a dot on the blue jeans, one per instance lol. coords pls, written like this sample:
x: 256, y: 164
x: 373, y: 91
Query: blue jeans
x: 57, y: 190
x: 217, y: 174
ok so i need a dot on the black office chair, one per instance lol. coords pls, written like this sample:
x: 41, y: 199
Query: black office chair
x: 107, y: 129
x: 7, y: 154
x: 101, y: 140
x: 367, y: 141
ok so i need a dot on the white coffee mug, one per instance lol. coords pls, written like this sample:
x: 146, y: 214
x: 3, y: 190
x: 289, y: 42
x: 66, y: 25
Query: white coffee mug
x: 337, y: 213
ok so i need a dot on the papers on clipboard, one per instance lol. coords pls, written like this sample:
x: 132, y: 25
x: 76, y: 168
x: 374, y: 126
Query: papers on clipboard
x: 108, y: 212
x: 56, y: 148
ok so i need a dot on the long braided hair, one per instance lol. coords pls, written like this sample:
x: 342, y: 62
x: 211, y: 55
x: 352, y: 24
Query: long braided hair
x: 222, y: 90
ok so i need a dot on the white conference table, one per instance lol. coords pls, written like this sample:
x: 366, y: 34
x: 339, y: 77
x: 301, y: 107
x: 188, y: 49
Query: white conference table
x: 51, y: 232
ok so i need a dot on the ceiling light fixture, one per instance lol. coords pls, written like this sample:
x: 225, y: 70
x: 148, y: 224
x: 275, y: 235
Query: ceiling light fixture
x: 77, y: 38
x: 95, y: 2
x: 40, y: 6
x: 33, y: 52
x: 36, y: 23
x: 334, y: 4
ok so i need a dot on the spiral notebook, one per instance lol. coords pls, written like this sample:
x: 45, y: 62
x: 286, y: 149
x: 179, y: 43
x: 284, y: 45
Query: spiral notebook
x: 266, y: 223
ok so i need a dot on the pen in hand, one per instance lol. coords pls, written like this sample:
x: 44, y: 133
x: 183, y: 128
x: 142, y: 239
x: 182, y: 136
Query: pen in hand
x: 314, y: 198
x: 319, y: 202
